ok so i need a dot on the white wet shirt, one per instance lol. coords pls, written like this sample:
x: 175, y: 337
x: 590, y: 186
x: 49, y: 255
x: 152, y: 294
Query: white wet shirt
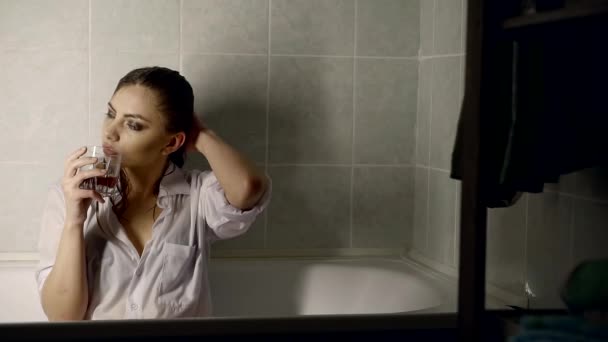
x: 170, y: 279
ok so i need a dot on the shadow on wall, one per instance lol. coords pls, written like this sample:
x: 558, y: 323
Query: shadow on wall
x: 234, y: 104
x: 252, y: 291
x: 307, y: 209
x: 593, y: 183
x: 278, y: 288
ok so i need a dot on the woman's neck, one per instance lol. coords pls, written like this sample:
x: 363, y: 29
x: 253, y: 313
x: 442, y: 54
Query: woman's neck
x: 144, y: 181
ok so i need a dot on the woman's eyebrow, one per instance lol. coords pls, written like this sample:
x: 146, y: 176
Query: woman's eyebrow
x: 137, y: 116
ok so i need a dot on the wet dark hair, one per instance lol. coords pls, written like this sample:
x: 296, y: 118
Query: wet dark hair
x: 175, y: 101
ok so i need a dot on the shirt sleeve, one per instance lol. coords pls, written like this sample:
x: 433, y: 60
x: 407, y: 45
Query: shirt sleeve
x: 225, y: 220
x: 51, y: 227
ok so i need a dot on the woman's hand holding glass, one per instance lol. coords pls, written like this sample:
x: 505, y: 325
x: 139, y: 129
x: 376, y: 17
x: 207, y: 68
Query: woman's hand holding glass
x: 78, y: 200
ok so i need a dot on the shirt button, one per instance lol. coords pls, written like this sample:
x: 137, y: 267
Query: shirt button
x: 133, y: 307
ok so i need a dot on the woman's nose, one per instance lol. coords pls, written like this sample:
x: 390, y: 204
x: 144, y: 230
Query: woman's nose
x: 111, y: 132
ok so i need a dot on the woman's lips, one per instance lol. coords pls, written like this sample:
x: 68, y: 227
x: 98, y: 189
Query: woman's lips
x: 109, y: 151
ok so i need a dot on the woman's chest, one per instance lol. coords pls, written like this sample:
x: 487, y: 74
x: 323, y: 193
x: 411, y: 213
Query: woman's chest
x: 168, y: 275
x: 139, y: 226
x: 165, y: 282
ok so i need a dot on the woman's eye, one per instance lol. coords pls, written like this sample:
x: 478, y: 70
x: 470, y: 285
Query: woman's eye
x: 134, y: 127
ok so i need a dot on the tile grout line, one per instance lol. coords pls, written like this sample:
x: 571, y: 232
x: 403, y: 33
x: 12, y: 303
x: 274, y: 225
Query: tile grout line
x: 433, y: 31
x: 442, y: 56
x: 42, y: 49
x: 346, y: 57
x: 179, y: 40
x: 357, y: 165
x: 416, y: 156
x: 527, y: 212
x: 456, y: 217
x: 571, y: 224
x: 578, y: 197
x: 432, y: 168
x: 428, y: 184
x: 226, y: 53
x: 267, y: 152
x: 17, y: 162
x: 89, y: 138
x: 462, y: 26
x: 571, y: 234
x: 295, y: 55
x: 417, y: 135
x: 455, y: 228
x: 353, y: 127
x: 413, y: 58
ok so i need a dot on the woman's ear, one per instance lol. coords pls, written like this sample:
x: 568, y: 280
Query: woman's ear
x: 176, y: 141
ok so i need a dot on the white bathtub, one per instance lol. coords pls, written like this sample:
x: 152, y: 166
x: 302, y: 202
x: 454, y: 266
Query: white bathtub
x: 284, y: 287
x: 287, y: 287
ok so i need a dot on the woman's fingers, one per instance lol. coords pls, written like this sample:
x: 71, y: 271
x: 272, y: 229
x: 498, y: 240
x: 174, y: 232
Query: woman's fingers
x: 72, y: 158
x: 81, y: 176
x: 92, y: 194
x: 75, y: 155
x: 80, y: 162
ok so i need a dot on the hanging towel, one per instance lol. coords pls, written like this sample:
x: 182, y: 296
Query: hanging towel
x: 548, y: 115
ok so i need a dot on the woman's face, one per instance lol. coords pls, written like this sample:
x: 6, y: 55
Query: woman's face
x: 135, y: 128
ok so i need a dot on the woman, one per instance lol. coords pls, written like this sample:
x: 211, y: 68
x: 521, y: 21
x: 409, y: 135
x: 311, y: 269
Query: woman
x: 144, y: 253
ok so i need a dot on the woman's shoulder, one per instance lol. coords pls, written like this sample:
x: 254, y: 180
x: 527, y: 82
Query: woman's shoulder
x: 196, y: 176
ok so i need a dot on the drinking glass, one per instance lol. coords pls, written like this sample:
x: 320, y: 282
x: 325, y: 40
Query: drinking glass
x: 106, y: 185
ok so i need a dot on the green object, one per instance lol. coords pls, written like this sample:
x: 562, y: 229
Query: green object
x: 559, y: 328
x: 586, y: 288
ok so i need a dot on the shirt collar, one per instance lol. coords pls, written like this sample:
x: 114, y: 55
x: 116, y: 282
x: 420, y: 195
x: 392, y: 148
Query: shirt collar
x: 173, y: 182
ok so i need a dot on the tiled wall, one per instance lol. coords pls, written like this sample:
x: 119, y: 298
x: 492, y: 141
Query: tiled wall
x: 565, y: 225
x: 439, y: 96
x: 539, y: 239
x: 543, y: 236
x: 320, y: 93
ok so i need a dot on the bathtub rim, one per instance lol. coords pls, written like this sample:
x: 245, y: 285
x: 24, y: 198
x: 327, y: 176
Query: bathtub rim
x: 442, y: 273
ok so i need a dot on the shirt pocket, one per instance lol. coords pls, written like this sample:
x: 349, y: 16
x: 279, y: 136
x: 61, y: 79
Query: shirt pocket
x: 176, y: 274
